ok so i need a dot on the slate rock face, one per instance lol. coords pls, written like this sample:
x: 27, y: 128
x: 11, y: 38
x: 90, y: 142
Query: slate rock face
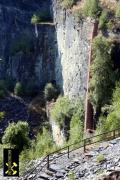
x: 59, y: 52
x: 15, y: 22
x: 73, y: 51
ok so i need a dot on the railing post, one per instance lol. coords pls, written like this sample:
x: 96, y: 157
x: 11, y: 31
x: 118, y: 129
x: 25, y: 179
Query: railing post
x: 48, y: 161
x: 68, y: 152
x: 114, y: 134
x: 84, y: 142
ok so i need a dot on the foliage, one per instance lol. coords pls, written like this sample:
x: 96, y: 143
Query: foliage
x: 2, y: 115
x: 100, y: 158
x: 92, y: 8
x: 103, y: 19
x: 50, y: 92
x: 1, y: 155
x: 102, y: 73
x: 68, y: 3
x: 71, y: 176
x: 112, y: 120
x: 62, y: 110
x: 23, y: 43
x: 16, y: 134
x: 34, y: 19
x: 78, y: 13
x: 18, y: 90
x: 76, y: 124
x: 42, y: 145
x: 118, y: 11
x: 42, y: 16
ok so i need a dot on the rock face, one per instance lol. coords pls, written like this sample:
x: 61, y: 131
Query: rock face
x: 73, y: 51
x: 58, y: 52
x: 36, y: 60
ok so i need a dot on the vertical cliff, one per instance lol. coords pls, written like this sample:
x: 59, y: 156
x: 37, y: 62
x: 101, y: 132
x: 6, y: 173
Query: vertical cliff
x: 73, y: 51
x: 23, y: 56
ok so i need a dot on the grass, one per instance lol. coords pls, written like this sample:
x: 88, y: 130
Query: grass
x: 100, y: 158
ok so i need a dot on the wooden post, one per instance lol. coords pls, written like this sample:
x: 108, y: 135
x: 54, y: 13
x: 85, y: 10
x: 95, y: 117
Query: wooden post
x: 89, y: 124
x: 114, y: 134
x: 84, y: 145
x: 48, y: 161
x: 68, y: 152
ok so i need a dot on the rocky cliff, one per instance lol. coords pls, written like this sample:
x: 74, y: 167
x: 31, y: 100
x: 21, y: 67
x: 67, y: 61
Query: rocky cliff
x: 36, y: 60
x: 73, y: 51
x: 58, y: 53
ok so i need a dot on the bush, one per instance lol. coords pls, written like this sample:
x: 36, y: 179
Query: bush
x: 71, y: 176
x: 68, y: 3
x: 103, y: 19
x: 76, y: 124
x: 78, y: 13
x: 18, y: 90
x: 62, y: 110
x: 118, y: 11
x: 50, y: 92
x: 17, y: 135
x: 2, y: 115
x: 100, y: 158
x: 92, y: 8
x: 112, y: 120
x: 103, y: 78
x: 42, y: 16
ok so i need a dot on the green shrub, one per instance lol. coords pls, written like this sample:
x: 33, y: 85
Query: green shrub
x: 50, y: 92
x: 103, y: 78
x: 103, y: 19
x: 34, y: 19
x: 76, y: 124
x: 71, y: 176
x: 92, y: 8
x: 112, y: 120
x: 17, y: 135
x: 118, y: 11
x: 2, y: 115
x: 18, y: 90
x: 68, y: 3
x: 62, y: 110
x: 78, y: 13
x: 100, y: 158
x: 110, y: 25
x: 42, y: 16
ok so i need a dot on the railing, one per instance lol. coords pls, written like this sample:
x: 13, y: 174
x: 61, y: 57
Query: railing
x: 82, y: 144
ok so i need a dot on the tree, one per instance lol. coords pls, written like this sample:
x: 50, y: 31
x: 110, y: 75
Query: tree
x: 62, y: 110
x: 50, y: 92
x: 118, y: 10
x: 112, y: 120
x: 16, y: 134
x: 92, y: 8
x: 102, y: 81
x: 76, y: 123
x: 18, y: 90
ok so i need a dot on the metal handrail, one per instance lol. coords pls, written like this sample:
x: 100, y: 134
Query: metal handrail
x: 67, y: 148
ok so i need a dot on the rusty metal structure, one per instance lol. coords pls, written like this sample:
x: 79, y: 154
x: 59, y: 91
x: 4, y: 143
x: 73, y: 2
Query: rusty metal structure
x: 89, y: 122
